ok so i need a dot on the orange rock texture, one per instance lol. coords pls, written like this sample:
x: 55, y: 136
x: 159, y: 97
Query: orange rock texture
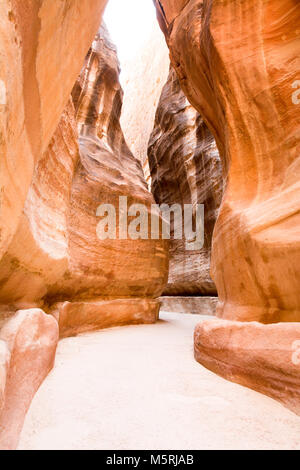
x: 121, y: 268
x: 55, y: 254
x: 29, y: 341
x: 53, y: 178
x: 37, y: 73
x: 237, y: 63
x: 143, y: 78
x: 185, y: 168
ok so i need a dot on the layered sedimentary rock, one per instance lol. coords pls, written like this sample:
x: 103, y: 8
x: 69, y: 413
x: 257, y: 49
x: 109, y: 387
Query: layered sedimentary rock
x: 143, y: 77
x: 82, y: 316
x: 185, y: 168
x: 240, y: 72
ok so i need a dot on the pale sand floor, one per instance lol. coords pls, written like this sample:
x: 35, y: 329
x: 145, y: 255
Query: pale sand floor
x: 138, y: 387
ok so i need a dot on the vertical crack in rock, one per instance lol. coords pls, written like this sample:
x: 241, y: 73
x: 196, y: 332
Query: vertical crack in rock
x: 237, y: 63
x: 56, y: 259
x: 185, y: 169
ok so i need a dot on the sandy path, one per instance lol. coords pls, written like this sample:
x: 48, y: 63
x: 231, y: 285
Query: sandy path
x: 138, y: 387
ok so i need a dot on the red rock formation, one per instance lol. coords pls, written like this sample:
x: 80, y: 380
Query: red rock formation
x: 143, y: 78
x: 43, y: 45
x: 200, y: 305
x: 30, y: 338
x: 185, y: 169
x: 121, y: 268
x: 37, y: 258
x: 78, y: 317
x: 55, y: 254
x: 239, y: 73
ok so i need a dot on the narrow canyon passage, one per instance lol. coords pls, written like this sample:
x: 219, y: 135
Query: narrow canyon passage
x: 138, y: 387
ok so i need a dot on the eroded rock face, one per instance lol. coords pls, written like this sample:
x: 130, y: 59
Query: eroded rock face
x: 239, y: 73
x: 37, y: 259
x: 263, y: 357
x: 28, y: 343
x: 200, y: 305
x: 56, y: 254
x: 50, y: 253
x: 185, y: 169
x: 255, y: 123
x: 108, y: 170
x: 143, y: 78
x: 43, y: 44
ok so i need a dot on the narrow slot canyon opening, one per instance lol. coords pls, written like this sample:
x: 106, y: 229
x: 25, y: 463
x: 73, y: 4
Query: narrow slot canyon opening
x: 144, y: 61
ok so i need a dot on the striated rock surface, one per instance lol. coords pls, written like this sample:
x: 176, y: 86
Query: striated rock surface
x: 52, y: 182
x: 185, y: 169
x: 43, y: 44
x: 28, y: 343
x: 200, y: 305
x: 239, y: 73
x: 38, y: 256
x: 79, y: 317
x: 56, y: 254
x: 107, y: 170
x: 263, y: 357
x: 143, y: 78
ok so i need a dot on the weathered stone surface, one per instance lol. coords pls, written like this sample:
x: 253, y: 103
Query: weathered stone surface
x: 78, y: 317
x: 28, y: 345
x: 241, y: 82
x: 143, y: 78
x: 43, y: 44
x: 237, y: 63
x: 197, y: 305
x: 55, y: 254
x: 36, y: 261
x: 185, y: 168
x: 4, y: 365
x: 263, y: 357
x: 50, y: 192
x: 107, y: 170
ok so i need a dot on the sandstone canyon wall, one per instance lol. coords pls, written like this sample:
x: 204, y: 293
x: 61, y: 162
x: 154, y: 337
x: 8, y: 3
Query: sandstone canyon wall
x: 37, y: 73
x: 61, y: 157
x: 237, y: 63
x: 185, y: 168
